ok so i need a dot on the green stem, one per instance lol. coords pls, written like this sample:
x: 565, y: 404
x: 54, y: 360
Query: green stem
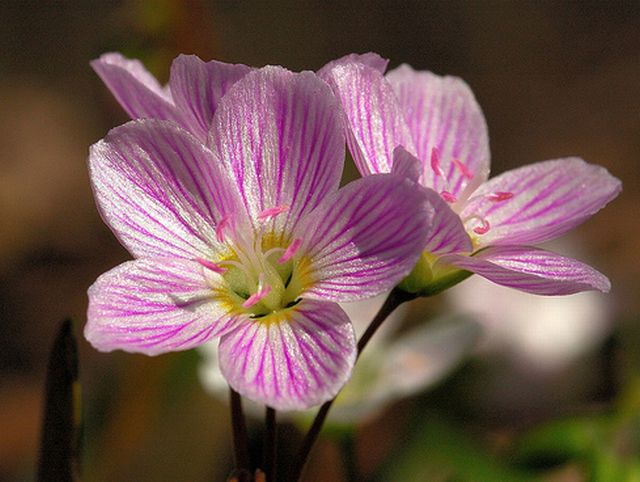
x: 270, y: 441
x: 240, y: 438
x: 348, y: 450
x: 60, y: 441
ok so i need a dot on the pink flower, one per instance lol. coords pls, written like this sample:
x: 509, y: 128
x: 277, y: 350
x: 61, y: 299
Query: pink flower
x: 246, y: 237
x: 432, y: 130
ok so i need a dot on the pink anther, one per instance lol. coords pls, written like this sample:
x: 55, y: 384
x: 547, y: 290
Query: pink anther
x: 435, y: 162
x: 220, y: 227
x: 257, y: 296
x: 290, y: 251
x: 211, y: 265
x: 499, y: 196
x: 447, y: 196
x: 273, y: 212
x: 464, y: 170
x: 484, y: 228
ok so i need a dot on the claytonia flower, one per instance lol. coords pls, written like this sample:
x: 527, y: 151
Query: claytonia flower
x: 247, y: 238
x: 432, y: 130
x: 392, y: 367
x: 190, y: 98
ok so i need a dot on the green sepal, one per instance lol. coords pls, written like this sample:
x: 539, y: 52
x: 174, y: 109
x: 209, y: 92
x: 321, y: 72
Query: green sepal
x: 428, y: 279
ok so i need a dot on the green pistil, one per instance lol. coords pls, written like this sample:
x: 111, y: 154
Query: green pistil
x: 282, y: 279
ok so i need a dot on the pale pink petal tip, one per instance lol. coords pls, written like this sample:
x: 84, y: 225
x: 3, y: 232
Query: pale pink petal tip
x: 135, y: 89
x: 406, y: 164
x: 152, y: 307
x: 532, y: 270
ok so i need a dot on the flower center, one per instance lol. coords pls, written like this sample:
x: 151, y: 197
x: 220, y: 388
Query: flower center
x: 261, y: 272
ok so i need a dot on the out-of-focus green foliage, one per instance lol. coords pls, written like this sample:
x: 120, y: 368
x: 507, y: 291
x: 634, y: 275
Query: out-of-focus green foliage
x: 441, y: 451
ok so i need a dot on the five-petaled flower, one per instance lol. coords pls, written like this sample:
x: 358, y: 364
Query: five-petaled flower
x: 431, y: 129
x: 244, y: 234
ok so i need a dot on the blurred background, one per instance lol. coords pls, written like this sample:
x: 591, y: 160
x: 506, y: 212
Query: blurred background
x: 552, y: 392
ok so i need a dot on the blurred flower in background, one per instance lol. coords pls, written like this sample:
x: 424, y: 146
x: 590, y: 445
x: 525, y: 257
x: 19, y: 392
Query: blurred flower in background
x: 396, y: 364
x: 543, y: 333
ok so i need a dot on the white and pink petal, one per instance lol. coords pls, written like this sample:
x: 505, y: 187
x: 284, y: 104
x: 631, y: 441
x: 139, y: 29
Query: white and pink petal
x: 291, y: 360
x: 365, y: 238
x: 135, y: 89
x: 543, y: 200
x: 281, y: 135
x: 197, y: 88
x: 447, y: 234
x: 160, y: 190
x: 154, y: 306
x: 376, y: 124
x: 532, y: 270
x: 370, y: 59
x: 447, y: 126
x: 406, y: 164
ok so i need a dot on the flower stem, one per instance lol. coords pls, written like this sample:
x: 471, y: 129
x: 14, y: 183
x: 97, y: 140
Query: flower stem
x: 270, y: 441
x: 395, y: 299
x: 60, y: 440
x: 240, y: 438
x: 348, y: 449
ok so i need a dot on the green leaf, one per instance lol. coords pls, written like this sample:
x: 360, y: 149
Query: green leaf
x: 441, y: 452
x: 560, y: 441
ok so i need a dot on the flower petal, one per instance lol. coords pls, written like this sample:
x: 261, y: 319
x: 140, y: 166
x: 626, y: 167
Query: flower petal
x: 293, y: 360
x: 282, y: 135
x: 370, y: 59
x: 406, y: 164
x: 365, y: 238
x: 447, y: 233
x: 198, y: 86
x: 160, y: 190
x: 532, y: 270
x: 137, y: 91
x: 376, y: 124
x: 154, y: 306
x: 549, y: 198
x: 442, y: 113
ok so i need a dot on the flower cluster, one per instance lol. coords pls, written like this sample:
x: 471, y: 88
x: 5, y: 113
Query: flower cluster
x: 225, y: 190
x: 243, y: 234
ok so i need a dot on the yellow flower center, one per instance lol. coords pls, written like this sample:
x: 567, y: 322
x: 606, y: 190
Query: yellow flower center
x: 262, y: 272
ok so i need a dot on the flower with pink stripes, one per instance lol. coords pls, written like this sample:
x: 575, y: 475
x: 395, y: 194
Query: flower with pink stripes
x: 248, y: 238
x: 431, y: 129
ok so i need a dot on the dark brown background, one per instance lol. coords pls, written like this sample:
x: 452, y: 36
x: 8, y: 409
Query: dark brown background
x: 553, y: 78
